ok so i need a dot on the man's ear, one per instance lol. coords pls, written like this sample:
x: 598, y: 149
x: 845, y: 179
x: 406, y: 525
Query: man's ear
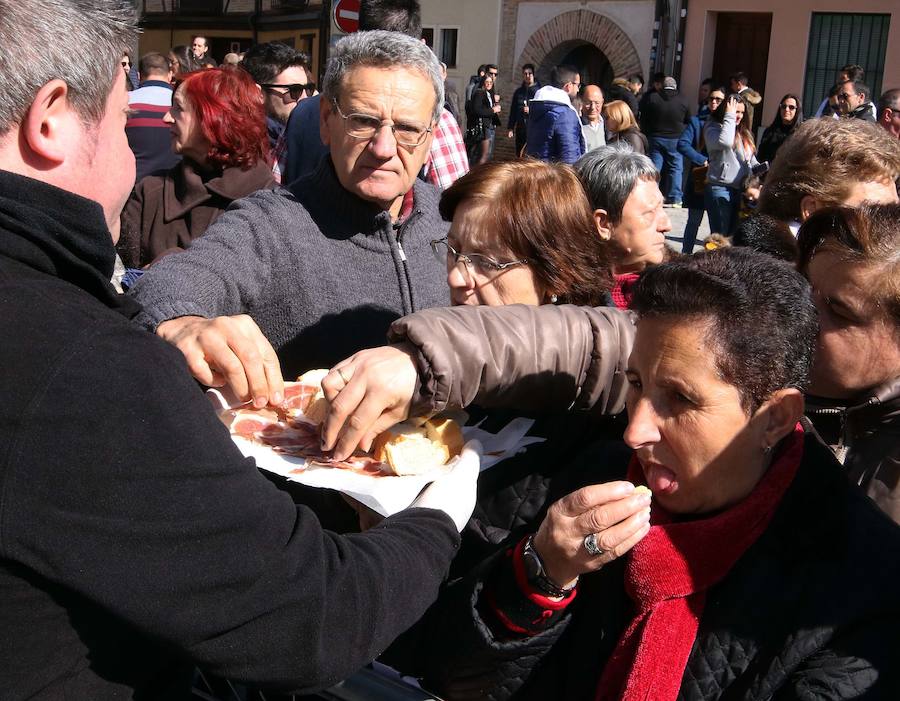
x: 46, y: 133
x: 808, y: 205
x: 604, y: 227
x: 781, y: 412
x: 325, y: 109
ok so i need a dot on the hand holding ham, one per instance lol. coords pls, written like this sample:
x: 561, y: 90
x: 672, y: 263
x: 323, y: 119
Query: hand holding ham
x: 228, y: 350
x: 369, y: 392
x: 618, y: 514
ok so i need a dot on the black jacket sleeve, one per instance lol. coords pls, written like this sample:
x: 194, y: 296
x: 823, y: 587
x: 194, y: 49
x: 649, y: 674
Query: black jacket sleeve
x: 125, y: 488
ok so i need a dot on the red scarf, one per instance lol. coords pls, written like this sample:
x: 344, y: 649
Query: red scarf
x: 670, y: 570
x: 623, y: 289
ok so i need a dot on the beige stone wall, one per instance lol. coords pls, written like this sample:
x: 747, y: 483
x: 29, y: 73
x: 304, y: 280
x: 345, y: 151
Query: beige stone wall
x: 788, y: 45
x: 479, y: 27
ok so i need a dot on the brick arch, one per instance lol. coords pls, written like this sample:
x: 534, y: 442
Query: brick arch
x: 583, y: 26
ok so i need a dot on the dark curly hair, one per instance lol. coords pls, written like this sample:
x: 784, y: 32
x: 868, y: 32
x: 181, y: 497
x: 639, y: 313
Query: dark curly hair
x: 763, y: 321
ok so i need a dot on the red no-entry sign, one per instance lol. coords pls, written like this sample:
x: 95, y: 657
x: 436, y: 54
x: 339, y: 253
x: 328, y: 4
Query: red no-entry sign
x: 346, y: 15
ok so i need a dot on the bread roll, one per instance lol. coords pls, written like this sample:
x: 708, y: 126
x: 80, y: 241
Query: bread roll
x: 411, y: 449
x: 317, y: 409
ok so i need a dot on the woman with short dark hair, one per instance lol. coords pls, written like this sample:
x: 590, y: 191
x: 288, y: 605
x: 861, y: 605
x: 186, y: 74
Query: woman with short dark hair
x: 756, y: 571
x: 218, y: 126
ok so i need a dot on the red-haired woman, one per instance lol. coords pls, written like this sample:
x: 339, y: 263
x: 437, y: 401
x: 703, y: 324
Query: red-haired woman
x: 218, y: 126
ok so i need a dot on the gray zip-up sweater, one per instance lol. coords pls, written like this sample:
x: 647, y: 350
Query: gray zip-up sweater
x: 321, y: 271
x: 728, y: 165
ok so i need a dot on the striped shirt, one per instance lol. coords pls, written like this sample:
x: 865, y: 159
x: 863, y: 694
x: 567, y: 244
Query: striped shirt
x: 148, y: 135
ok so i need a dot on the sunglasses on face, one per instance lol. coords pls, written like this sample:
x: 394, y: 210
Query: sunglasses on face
x: 126, y: 64
x: 296, y: 90
x: 788, y: 107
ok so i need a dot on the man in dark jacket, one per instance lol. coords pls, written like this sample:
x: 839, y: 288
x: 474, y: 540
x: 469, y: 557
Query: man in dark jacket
x: 137, y: 541
x: 554, y: 127
x: 854, y: 101
x: 664, y: 115
x: 518, y: 109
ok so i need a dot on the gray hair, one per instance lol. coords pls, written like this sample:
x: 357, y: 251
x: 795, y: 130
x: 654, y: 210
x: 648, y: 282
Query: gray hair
x: 39, y: 41
x: 609, y: 174
x: 380, y: 49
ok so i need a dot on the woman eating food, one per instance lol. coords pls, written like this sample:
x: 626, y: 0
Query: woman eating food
x: 507, y: 246
x: 759, y: 571
x: 218, y: 126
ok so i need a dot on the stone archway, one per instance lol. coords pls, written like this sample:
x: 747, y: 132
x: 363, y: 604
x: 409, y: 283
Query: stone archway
x: 570, y: 29
x: 591, y: 63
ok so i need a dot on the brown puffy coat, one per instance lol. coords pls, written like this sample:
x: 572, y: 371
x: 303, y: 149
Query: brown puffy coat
x: 552, y: 357
x: 166, y: 212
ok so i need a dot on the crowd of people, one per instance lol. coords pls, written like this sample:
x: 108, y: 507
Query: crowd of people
x: 713, y: 508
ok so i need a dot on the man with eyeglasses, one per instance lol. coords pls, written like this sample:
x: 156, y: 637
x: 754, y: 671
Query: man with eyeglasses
x: 300, y: 278
x: 282, y: 73
x: 854, y: 102
x: 593, y: 127
x: 554, y: 127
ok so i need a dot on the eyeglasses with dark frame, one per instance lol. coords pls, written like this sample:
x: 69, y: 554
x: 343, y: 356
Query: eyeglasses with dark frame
x: 365, y: 126
x: 444, y: 252
x: 296, y: 90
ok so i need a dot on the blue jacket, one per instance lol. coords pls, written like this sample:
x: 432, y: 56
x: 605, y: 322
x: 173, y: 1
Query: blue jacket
x: 554, y: 132
x: 689, y: 142
x: 305, y: 149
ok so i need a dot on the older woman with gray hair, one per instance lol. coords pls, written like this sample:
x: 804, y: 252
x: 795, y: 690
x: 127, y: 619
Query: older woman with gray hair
x: 623, y: 188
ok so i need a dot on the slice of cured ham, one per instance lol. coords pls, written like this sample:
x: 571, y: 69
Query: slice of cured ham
x: 285, y: 432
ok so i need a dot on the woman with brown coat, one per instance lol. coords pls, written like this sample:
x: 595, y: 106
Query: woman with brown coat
x: 218, y: 126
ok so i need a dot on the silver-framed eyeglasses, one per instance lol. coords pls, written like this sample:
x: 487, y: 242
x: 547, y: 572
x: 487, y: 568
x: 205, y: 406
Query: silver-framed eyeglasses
x: 445, y: 253
x: 365, y: 126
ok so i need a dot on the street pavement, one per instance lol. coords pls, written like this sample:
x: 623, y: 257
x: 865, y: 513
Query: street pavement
x: 679, y: 219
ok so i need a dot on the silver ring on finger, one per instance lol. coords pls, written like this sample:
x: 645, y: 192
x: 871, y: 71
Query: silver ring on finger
x: 590, y: 544
x: 341, y: 374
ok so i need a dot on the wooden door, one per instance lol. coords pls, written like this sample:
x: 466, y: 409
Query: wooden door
x: 742, y: 44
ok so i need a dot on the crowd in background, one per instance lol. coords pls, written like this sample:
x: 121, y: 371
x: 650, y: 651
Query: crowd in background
x: 711, y: 508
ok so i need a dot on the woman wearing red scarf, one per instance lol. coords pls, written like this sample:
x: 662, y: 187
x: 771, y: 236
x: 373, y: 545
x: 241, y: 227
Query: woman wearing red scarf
x: 758, y: 573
